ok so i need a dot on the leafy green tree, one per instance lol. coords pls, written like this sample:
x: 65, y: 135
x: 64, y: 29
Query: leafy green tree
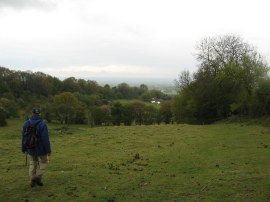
x: 14, y: 83
x: 143, y: 88
x: 229, y: 72
x: 261, y: 99
x: 101, y: 114
x: 157, y: 94
x: 92, y: 87
x: 65, y: 105
x: 4, y: 87
x: 149, y: 115
x: 165, y: 112
x: 108, y: 92
x: 80, y: 114
x: 117, y: 113
x: 42, y: 84
x: 57, y: 85
x: 127, y: 114
x: 106, y: 111
x: 97, y: 116
x: 146, y: 96
x: 88, y: 100
x: 70, y: 85
x: 124, y: 91
x: 3, y: 117
x: 184, y: 108
x: 9, y: 107
x: 138, y: 111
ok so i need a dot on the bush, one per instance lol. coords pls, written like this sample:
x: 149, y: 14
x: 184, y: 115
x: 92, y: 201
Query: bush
x: 3, y: 117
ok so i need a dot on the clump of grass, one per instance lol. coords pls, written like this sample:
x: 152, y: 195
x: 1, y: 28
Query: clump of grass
x: 136, y: 157
x: 113, y: 166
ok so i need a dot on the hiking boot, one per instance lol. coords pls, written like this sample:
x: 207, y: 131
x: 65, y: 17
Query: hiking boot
x: 37, y: 180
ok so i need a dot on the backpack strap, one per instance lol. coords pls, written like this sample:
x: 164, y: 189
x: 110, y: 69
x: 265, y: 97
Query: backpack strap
x: 36, y: 124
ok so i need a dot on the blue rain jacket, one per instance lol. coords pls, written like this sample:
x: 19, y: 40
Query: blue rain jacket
x: 44, y: 146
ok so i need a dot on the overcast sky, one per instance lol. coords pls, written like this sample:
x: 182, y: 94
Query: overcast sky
x: 122, y: 38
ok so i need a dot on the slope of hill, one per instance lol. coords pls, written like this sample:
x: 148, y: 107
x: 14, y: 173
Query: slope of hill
x: 219, y: 162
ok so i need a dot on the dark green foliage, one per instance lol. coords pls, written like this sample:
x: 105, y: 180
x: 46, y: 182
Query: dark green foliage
x: 127, y: 92
x: 108, y: 92
x: 127, y: 115
x: 137, y: 112
x: 4, y: 87
x: 117, y: 113
x: 89, y: 100
x: 165, y: 112
x: 80, y: 115
x: 101, y: 115
x: 149, y: 115
x: 9, y: 106
x: 229, y: 81
x: 261, y: 100
x: 3, y: 117
x: 70, y: 85
x: 65, y: 106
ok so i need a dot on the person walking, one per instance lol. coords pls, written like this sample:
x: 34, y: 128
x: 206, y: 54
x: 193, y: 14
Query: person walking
x: 40, y: 152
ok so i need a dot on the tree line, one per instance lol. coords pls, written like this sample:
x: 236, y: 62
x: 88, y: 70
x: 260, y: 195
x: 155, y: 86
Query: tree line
x: 75, y: 100
x: 67, y: 108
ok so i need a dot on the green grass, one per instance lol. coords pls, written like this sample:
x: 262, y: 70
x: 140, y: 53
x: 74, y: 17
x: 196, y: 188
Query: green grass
x: 220, y: 162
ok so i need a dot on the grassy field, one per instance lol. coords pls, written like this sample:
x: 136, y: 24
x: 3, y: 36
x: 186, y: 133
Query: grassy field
x: 219, y: 162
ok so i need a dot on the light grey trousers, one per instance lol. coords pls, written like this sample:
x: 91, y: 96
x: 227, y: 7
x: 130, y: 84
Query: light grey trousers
x: 37, y: 166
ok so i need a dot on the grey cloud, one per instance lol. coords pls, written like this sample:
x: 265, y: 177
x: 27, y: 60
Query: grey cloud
x: 23, y: 4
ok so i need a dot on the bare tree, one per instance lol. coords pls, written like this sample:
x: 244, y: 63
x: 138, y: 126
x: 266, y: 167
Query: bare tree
x: 183, y: 81
x: 215, y: 52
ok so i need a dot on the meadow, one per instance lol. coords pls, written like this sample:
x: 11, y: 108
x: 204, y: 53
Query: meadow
x: 218, y: 162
